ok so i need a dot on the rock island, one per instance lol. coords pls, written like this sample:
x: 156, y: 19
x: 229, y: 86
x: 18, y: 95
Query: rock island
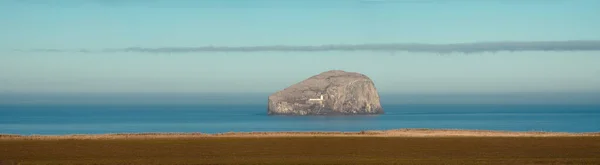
x: 334, y: 92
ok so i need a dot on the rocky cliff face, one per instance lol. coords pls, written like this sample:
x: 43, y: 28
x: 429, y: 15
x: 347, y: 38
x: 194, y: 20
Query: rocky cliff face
x: 333, y: 92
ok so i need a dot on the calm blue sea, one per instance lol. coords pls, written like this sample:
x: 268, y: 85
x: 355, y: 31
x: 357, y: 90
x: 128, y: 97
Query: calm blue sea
x: 97, y: 119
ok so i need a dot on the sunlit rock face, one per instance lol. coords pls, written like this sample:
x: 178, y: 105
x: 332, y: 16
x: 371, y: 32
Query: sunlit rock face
x: 333, y: 92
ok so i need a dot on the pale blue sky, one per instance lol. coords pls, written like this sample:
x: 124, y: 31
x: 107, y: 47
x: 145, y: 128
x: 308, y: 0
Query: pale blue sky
x: 102, y: 24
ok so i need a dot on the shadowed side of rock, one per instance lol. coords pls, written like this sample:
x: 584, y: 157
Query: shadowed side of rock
x: 333, y: 92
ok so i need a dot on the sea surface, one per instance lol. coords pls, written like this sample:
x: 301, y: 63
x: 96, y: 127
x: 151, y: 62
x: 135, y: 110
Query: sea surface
x: 100, y: 119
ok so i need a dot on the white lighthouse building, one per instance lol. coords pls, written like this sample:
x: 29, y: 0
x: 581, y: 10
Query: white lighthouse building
x: 320, y: 99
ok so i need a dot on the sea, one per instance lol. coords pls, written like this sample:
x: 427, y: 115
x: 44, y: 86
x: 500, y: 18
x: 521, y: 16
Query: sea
x: 206, y: 118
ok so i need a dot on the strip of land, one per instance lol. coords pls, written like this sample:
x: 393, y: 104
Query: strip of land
x: 290, y: 150
x: 385, y: 133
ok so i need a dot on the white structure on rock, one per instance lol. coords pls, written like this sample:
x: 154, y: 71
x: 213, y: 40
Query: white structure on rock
x: 321, y: 99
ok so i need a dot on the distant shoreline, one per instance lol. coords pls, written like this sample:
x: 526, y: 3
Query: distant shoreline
x: 371, y: 133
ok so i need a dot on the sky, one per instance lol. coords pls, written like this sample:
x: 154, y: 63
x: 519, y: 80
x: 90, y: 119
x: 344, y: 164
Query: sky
x: 104, y: 46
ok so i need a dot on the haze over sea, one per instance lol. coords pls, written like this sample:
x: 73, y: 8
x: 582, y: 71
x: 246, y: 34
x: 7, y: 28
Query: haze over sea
x: 129, y: 113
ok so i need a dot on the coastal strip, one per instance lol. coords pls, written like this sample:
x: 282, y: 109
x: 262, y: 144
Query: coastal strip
x: 371, y: 133
x: 306, y: 148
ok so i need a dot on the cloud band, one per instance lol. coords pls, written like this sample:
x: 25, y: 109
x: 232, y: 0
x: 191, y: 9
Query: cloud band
x: 476, y: 47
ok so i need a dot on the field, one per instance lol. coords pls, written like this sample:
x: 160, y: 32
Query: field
x: 288, y: 149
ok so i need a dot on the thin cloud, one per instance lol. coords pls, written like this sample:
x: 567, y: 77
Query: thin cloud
x: 398, y: 1
x: 476, y: 47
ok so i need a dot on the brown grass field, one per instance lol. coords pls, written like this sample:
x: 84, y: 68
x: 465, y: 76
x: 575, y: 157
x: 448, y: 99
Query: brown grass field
x: 415, y: 146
